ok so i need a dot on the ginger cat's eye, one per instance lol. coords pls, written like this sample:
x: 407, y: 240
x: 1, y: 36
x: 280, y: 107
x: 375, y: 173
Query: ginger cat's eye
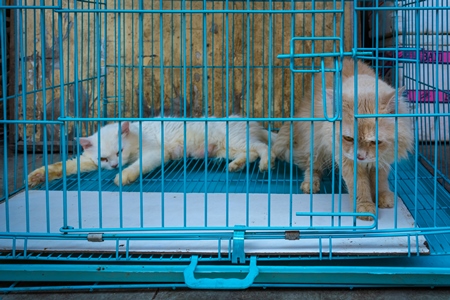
x: 104, y: 159
x: 347, y: 138
x: 373, y: 143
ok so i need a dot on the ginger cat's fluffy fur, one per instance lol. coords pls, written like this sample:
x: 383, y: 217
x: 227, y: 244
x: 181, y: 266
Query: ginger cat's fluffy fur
x: 173, y: 147
x: 366, y: 137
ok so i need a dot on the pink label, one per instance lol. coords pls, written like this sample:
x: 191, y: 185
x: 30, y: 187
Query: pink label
x: 426, y: 96
x: 425, y: 56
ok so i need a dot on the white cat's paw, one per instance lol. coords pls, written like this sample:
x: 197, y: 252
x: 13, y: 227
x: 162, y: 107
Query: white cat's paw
x: 306, y: 186
x: 386, y: 199
x: 272, y: 161
x: 365, y: 207
x: 235, y: 166
x: 127, y: 177
x: 264, y: 164
x: 36, y: 177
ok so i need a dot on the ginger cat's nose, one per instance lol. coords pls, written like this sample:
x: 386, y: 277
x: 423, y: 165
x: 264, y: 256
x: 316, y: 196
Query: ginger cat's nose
x: 360, y: 157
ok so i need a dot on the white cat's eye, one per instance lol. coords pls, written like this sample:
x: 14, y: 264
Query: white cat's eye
x: 104, y: 159
x: 119, y: 152
x: 347, y: 138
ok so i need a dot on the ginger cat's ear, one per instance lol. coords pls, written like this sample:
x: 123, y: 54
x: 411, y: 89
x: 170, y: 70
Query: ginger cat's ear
x: 125, y: 128
x: 401, y: 90
x: 330, y: 93
x: 390, y: 99
x: 85, y: 143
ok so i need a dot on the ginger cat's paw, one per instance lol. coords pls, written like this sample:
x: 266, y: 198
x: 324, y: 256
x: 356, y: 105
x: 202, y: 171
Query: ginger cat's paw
x: 127, y: 177
x: 386, y: 199
x: 306, y: 186
x: 36, y: 177
x: 365, y: 207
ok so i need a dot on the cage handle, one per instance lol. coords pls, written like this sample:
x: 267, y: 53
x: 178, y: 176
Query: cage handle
x: 219, y: 283
x: 324, y: 97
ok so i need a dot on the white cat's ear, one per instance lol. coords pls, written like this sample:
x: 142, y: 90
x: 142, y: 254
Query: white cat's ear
x: 85, y: 143
x: 125, y: 128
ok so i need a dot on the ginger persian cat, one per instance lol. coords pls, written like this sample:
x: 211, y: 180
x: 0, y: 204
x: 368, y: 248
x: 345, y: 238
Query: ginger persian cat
x: 366, y: 139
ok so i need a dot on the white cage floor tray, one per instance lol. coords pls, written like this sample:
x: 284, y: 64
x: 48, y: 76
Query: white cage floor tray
x: 45, y: 214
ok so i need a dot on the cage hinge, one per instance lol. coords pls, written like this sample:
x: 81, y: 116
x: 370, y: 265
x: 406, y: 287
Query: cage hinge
x: 292, y: 235
x: 95, y: 237
x: 238, y: 245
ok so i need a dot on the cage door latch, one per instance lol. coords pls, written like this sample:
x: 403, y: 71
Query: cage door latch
x: 292, y: 235
x: 95, y: 237
x: 238, y: 245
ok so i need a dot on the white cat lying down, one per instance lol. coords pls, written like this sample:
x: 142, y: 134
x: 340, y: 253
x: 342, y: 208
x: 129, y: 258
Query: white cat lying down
x: 173, y: 147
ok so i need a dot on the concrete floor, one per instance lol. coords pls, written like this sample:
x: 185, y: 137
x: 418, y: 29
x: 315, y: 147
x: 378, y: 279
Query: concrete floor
x: 279, y: 294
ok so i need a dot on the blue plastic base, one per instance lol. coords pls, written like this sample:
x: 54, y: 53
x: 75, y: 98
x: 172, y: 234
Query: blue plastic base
x: 194, y: 180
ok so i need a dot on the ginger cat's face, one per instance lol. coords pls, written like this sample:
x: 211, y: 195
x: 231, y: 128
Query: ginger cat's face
x: 367, y: 135
x: 366, y: 141
x: 109, y: 146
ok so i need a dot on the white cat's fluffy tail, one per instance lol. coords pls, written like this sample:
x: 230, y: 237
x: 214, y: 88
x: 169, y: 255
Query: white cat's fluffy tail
x: 273, y: 137
x: 265, y: 136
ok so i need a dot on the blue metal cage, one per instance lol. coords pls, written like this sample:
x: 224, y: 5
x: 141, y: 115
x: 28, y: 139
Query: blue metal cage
x: 70, y: 67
